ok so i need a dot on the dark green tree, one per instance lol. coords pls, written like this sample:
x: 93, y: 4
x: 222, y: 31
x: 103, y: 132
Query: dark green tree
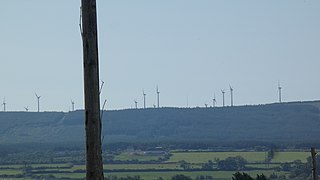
x: 261, y: 177
x: 180, y: 177
x: 232, y: 163
x: 285, y: 166
x: 273, y: 176
x: 130, y: 178
x: 204, y: 177
x: 208, y: 165
x: 184, y: 164
x: 241, y: 176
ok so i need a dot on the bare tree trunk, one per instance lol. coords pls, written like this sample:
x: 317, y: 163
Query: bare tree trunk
x: 94, y: 163
x: 314, y: 164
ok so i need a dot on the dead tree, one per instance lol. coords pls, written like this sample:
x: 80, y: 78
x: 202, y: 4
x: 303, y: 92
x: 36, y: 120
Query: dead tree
x: 94, y: 164
x: 314, y: 164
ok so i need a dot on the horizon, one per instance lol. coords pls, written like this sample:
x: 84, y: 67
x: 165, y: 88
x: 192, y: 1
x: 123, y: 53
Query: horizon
x: 173, y: 107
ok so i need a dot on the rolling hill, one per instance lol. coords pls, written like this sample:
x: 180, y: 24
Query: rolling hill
x: 295, y: 122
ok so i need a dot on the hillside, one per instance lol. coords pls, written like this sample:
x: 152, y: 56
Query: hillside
x: 296, y: 122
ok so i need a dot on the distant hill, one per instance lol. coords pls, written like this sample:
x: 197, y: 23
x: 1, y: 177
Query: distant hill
x: 295, y: 122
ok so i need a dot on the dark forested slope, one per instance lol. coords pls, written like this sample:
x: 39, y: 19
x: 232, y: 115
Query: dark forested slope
x: 287, y: 122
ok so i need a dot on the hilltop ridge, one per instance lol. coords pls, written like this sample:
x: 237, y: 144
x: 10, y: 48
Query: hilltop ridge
x: 293, y: 122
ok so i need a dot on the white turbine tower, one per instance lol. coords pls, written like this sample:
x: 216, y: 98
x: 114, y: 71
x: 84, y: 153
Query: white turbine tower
x: 4, y: 104
x: 214, y: 101
x: 231, y: 94
x: 38, y: 99
x: 136, y: 104
x: 144, y: 99
x: 279, y: 89
x: 222, y: 90
x: 158, y: 97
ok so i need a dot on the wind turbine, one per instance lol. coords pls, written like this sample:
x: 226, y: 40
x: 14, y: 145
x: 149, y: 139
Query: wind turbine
x: 214, y: 101
x: 4, y: 104
x: 144, y: 99
x: 279, y: 88
x: 26, y: 108
x: 222, y: 90
x: 136, y: 103
x: 72, y: 102
x: 231, y: 94
x: 158, y: 97
x: 38, y: 99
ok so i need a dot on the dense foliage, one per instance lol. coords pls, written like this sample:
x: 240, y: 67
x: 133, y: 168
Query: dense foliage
x: 285, y: 123
x: 245, y: 176
x: 237, y: 163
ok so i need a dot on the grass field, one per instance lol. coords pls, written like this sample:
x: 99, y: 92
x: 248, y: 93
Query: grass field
x: 195, y: 158
x: 129, y: 156
x: 35, y: 166
x: 133, y: 166
x: 11, y: 166
x: 251, y: 157
x: 202, y: 157
x: 168, y: 174
x: 10, y: 171
x: 69, y: 175
x: 290, y: 156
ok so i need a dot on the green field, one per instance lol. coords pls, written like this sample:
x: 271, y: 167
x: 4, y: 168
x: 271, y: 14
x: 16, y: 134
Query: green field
x: 202, y: 157
x: 130, y: 156
x: 10, y: 171
x: 168, y: 174
x: 290, y: 156
x: 69, y: 175
x: 133, y: 166
x: 165, y: 169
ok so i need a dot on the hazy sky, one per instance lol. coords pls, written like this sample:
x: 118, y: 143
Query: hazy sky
x: 189, y: 48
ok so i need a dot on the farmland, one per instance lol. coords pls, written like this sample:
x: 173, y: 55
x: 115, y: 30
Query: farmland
x: 273, y: 139
x: 201, y: 157
x: 154, y: 166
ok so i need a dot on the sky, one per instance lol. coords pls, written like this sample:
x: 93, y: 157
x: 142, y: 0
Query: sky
x: 190, y: 49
